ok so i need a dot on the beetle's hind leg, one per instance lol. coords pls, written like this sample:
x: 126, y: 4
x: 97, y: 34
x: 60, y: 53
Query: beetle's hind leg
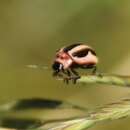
x: 94, y: 70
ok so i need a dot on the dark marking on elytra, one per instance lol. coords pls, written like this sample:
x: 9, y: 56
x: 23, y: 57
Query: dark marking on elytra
x: 84, y: 52
x: 66, y: 49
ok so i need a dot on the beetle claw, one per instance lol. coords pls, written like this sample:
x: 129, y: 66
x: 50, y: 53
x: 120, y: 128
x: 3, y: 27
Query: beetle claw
x: 66, y: 80
x: 99, y: 75
x: 74, y: 81
x: 73, y: 78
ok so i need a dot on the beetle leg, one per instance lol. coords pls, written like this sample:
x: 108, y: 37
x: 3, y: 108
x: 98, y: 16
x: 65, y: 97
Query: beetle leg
x: 66, y: 79
x: 75, y: 77
x: 62, y: 75
x: 74, y: 72
x: 69, y: 73
x: 94, y: 70
x: 96, y: 73
x: 66, y: 72
x: 72, y: 75
x: 55, y: 73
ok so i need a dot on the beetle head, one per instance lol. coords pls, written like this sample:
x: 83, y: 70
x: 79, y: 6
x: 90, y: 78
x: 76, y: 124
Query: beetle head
x: 57, y: 67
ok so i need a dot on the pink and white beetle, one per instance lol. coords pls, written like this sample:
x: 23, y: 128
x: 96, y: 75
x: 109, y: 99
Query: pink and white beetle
x: 74, y: 56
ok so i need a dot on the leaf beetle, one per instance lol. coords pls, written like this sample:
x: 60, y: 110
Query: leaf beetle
x: 78, y: 55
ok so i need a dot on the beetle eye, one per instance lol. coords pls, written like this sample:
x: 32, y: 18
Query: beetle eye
x: 56, y: 66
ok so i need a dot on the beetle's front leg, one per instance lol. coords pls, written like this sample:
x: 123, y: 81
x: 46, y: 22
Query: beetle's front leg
x: 71, y: 75
x: 57, y: 74
x: 67, y: 75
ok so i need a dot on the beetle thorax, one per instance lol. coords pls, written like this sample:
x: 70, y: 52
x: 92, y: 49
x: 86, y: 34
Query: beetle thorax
x: 64, y: 59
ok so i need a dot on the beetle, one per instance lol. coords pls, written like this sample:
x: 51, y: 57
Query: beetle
x: 77, y: 55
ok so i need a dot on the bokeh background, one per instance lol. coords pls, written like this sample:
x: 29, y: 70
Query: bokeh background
x: 31, y: 31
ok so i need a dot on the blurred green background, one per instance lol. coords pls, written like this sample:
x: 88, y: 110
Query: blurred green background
x: 31, y: 31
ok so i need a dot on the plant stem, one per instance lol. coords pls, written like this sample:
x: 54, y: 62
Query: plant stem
x: 108, y: 112
x: 106, y: 79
